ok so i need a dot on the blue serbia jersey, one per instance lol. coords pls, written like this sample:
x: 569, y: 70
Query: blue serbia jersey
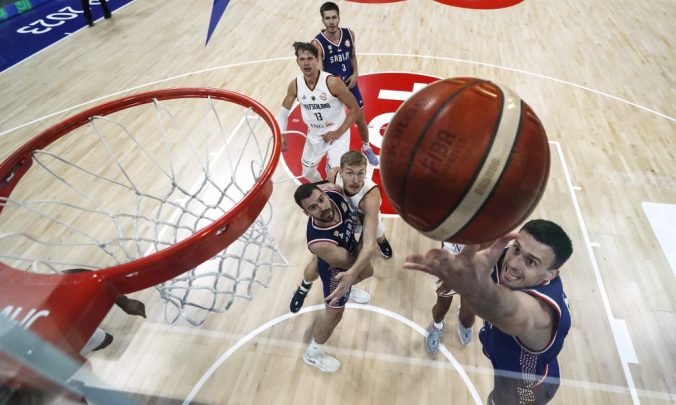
x: 337, y: 56
x: 342, y: 234
x: 528, y: 368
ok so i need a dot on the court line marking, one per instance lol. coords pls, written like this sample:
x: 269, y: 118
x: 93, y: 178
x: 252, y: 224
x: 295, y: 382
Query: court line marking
x: 456, y: 365
x: 444, y: 58
x: 620, y: 336
x: 162, y: 327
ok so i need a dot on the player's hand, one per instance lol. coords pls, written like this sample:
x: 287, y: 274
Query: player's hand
x: 462, y: 272
x: 131, y: 306
x: 345, y: 281
x: 330, y: 136
x: 351, y: 81
x: 285, y: 143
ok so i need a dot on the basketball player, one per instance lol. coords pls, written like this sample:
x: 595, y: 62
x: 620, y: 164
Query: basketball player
x: 364, y: 199
x: 518, y: 292
x: 338, y: 56
x: 330, y: 236
x: 88, y: 12
x: 322, y: 99
x: 444, y: 299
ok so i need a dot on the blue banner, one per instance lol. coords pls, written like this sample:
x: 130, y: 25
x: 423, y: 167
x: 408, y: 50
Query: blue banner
x: 35, y: 30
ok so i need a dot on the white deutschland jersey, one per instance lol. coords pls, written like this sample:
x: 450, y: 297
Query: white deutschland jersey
x: 322, y: 111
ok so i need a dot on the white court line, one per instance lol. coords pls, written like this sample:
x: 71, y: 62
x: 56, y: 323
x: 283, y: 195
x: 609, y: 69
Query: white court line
x: 206, y: 70
x: 457, y: 366
x: 161, y: 327
x: 622, y: 340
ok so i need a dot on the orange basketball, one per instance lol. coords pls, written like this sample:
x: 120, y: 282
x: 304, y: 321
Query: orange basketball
x: 464, y: 160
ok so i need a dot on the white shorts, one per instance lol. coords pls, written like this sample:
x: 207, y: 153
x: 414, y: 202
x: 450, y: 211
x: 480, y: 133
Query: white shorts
x: 315, y: 148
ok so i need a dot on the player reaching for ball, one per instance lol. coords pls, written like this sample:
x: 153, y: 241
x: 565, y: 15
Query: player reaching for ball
x: 518, y: 292
x: 322, y: 99
x: 364, y: 198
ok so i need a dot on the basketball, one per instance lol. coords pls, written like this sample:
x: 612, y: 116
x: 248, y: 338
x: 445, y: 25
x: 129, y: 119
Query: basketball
x: 464, y: 160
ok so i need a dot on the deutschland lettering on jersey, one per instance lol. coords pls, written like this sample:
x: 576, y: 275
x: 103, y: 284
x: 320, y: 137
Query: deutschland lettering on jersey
x: 342, y: 233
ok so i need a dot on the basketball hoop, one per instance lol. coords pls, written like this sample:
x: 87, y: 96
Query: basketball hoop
x: 143, y: 189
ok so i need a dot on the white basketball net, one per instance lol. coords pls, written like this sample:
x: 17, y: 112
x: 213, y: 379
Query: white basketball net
x: 142, y: 179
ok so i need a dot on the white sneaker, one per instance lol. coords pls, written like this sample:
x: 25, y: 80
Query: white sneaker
x: 465, y: 334
x: 359, y: 295
x: 321, y: 360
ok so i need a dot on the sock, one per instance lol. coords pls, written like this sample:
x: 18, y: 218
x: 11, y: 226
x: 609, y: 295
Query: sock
x: 305, y: 285
x: 315, y: 347
x: 365, y: 145
x: 439, y: 325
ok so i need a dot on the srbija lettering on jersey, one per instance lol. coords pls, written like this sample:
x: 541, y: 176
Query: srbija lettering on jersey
x: 322, y: 111
x: 337, y: 56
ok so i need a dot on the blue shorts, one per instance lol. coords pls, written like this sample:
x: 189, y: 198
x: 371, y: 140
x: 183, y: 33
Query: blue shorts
x: 327, y: 273
x: 357, y: 94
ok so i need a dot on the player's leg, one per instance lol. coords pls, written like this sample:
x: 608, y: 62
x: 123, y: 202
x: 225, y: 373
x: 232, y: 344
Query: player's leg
x: 439, y: 311
x: 309, y: 275
x: 106, y: 10
x: 323, y: 327
x: 87, y: 12
x: 310, y: 159
x: 363, y: 130
x: 466, y: 320
x: 384, y: 247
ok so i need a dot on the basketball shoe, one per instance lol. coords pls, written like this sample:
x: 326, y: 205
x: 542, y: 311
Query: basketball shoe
x: 299, y: 296
x: 385, y: 249
x: 434, y: 338
x: 370, y: 156
x: 359, y: 295
x: 465, y: 334
x: 321, y: 360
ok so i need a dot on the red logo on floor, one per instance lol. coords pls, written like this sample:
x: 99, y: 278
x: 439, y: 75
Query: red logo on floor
x: 383, y: 93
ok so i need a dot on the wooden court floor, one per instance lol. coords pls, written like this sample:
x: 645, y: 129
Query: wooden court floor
x: 599, y: 74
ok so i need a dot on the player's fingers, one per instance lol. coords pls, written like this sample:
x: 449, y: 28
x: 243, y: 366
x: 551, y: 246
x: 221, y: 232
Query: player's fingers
x: 420, y: 267
x: 494, y: 252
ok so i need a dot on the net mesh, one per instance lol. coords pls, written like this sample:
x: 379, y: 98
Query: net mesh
x: 134, y: 182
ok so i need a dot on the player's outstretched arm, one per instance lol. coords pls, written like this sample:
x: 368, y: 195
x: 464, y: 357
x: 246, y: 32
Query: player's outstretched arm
x: 515, y: 313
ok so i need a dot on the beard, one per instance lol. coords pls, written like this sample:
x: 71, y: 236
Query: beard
x: 327, y: 215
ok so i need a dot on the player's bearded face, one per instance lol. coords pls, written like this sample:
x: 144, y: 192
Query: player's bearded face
x: 328, y: 214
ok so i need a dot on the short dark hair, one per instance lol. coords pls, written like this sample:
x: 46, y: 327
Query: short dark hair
x: 552, y: 235
x: 328, y: 6
x: 304, y: 191
x: 305, y: 46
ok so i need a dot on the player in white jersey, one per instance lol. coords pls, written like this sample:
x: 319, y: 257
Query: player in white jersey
x: 364, y: 198
x: 322, y: 99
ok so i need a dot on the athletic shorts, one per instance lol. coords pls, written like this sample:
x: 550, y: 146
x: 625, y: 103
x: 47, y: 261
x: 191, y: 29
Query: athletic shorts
x: 315, y: 148
x: 328, y: 273
x: 357, y: 94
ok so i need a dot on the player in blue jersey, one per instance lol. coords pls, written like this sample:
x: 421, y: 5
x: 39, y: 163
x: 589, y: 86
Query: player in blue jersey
x: 338, y: 56
x: 519, y: 294
x: 330, y: 236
